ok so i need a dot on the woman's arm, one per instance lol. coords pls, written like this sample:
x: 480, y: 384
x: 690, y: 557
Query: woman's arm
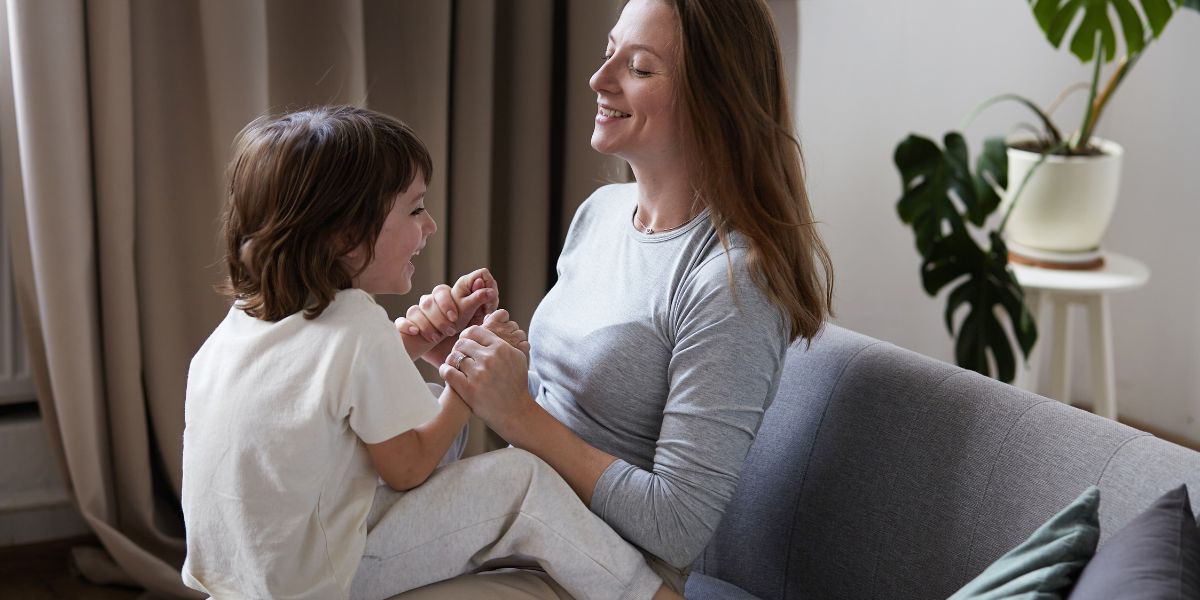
x: 725, y: 364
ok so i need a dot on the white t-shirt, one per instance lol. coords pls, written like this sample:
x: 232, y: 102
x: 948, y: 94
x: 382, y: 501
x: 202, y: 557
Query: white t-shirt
x: 276, y: 480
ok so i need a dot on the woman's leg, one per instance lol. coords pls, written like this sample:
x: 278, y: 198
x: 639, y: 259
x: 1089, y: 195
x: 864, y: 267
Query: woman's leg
x: 498, y: 505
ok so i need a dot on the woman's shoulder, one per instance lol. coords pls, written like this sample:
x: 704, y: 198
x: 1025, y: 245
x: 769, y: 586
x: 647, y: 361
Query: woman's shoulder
x: 600, y: 210
x: 608, y: 199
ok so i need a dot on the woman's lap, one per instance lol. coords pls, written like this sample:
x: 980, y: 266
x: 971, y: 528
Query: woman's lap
x: 501, y: 584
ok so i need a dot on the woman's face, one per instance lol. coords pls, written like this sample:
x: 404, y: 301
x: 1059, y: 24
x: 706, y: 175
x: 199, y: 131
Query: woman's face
x: 635, y: 86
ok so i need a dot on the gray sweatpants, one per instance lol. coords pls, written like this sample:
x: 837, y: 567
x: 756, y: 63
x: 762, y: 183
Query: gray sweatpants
x: 502, y: 508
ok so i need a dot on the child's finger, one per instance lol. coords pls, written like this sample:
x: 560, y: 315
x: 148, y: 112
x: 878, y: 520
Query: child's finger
x: 425, y: 328
x: 475, y: 281
x: 433, y: 312
x: 445, y: 300
x: 466, y: 284
x: 403, y: 325
x: 479, y: 298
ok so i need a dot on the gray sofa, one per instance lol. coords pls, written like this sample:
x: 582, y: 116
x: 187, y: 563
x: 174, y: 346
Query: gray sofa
x: 881, y: 473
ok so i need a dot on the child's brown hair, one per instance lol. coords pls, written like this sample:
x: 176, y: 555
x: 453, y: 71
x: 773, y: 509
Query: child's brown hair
x: 305, y: 188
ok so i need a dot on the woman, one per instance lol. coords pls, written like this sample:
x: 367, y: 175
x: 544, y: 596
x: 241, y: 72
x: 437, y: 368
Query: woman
x: 661, y: 345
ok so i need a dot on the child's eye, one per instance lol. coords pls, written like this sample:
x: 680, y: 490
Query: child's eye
x: 419, y: 210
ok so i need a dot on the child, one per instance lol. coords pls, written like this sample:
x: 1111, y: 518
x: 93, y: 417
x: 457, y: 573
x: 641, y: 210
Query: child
x: 305, y: 394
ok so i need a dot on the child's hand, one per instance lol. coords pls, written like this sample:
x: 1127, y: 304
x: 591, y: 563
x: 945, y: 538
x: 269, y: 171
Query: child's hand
x: 445, y: 311
x: 507, y: 330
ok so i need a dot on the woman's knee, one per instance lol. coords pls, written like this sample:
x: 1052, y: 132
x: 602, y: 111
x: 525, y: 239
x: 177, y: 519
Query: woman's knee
x: 527, y: 467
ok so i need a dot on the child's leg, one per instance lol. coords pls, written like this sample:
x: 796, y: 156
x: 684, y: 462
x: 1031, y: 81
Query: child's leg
x: 501, y: 504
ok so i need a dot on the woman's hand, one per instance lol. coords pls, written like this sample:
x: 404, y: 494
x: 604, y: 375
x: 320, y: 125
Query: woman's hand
x: 491, y: 376
x: 499, y: 323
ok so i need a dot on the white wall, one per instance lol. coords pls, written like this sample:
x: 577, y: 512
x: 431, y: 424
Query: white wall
x: 872, y: 71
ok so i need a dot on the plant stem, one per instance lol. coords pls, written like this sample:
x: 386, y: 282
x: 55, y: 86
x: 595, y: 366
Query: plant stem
x: 1055, y: 136
x: 1118, y: 76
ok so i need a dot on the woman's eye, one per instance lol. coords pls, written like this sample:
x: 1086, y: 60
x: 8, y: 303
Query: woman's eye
x: 419, y: 210
x: 605, y: 58
x: 638, y: 72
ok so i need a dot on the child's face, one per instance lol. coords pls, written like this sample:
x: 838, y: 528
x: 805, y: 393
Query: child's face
x: 403, y: 235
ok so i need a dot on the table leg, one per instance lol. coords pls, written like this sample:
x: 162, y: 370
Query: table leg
x: 1104, y: 386
x: 1027, y: 372
x: 1060, y: 364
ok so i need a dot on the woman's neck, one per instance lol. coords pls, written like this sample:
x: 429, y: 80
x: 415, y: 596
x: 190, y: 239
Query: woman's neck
x: 666, y: 200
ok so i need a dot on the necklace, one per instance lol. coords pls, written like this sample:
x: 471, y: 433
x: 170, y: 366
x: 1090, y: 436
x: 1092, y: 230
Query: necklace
x: 650, y: 231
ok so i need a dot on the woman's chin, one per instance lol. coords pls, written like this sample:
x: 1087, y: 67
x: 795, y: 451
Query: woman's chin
x: 601, y: 145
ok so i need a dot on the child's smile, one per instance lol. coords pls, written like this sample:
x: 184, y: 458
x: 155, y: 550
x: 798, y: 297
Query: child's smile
x: 407, y: 228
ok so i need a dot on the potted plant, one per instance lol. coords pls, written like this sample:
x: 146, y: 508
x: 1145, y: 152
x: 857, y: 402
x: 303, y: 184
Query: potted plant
x: 948, y: 205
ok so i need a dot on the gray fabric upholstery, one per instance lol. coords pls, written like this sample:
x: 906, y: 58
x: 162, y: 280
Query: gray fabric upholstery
x: 702, y: 587
x: 881, y: 473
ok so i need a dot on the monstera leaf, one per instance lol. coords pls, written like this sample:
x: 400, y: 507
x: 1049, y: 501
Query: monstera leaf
x: 937, y: 182
x: 1092, y: 17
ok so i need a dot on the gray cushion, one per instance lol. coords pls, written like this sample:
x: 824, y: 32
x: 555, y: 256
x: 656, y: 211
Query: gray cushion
x: 1156, y: 556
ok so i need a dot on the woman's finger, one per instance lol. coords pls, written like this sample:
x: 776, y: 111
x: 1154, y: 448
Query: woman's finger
x: 480, y: 335
x: 457, y: 381
x: 497, y: 317
x: 469, y: 348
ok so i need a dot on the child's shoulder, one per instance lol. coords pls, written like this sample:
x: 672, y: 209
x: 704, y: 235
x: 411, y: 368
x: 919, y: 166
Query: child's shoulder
x: 356, y: 309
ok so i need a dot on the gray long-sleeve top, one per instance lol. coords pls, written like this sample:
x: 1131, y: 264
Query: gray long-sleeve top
x: 644, y: 350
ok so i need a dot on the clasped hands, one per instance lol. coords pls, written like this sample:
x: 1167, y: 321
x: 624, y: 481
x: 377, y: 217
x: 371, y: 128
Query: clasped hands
x: 481, y: 353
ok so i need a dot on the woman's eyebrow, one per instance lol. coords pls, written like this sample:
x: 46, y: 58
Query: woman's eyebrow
x: 642, y: 47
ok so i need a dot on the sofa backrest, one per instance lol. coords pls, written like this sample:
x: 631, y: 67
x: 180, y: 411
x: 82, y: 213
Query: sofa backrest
x: 882, y: 473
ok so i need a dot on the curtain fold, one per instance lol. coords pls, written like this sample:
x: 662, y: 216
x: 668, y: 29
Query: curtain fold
x: 116, y: 122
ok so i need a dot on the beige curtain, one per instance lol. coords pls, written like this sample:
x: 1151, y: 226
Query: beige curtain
x: 116, y: 118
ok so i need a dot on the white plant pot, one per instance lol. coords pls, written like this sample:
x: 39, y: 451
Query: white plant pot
x: 1067, y: 204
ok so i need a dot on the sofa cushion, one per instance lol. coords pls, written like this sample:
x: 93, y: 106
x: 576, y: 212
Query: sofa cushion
x: 1047, y: 564
x: 702, y: 587
x: 1157, y: 555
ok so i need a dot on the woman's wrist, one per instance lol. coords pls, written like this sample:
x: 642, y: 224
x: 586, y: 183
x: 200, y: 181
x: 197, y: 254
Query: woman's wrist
x: 516, y: 426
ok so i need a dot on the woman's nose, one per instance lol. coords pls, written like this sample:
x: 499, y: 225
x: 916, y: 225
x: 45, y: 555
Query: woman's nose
x: 602, y: 80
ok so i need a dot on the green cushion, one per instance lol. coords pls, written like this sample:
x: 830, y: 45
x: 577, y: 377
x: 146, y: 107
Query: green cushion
x: 1047, y: 564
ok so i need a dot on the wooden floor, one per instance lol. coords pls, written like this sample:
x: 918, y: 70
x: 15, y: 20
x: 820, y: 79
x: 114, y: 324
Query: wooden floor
x: 40, y: 572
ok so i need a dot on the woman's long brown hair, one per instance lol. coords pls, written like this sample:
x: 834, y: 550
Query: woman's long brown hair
x: 744, y: 157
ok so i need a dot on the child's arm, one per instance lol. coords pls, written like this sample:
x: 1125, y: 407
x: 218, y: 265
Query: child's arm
x: 428, y: 329
x: 406, y: 461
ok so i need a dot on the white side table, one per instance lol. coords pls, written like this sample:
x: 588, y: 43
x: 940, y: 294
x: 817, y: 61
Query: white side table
x: 1056, y: 290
